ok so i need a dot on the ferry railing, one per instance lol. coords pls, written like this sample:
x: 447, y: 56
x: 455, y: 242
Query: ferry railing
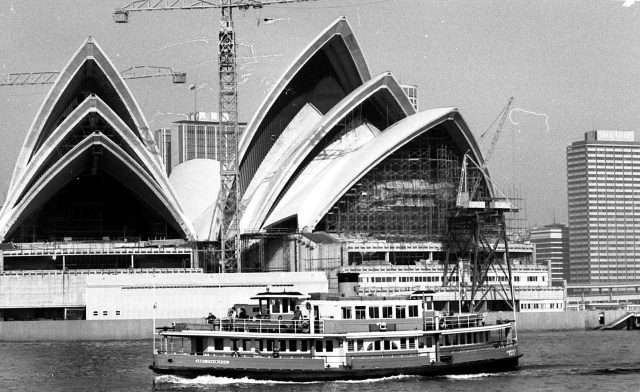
x: 463, y: 321
x: 102, y: 271
x: 257, y: 325
x: 450, y: 322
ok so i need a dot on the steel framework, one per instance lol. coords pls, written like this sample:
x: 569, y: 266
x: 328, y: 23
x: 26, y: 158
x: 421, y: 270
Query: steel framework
x: 137, y: 72
x: 407, y: 197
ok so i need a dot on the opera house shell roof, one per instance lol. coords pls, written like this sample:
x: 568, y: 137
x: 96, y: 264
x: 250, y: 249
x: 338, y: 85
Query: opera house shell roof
x: 89, y: 167
x: 327, y: 124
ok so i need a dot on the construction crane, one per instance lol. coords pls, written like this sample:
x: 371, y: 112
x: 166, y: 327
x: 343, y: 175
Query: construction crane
x: 228, y: 108
x: 477, y: 229
x: 502, y: 116
x: 137, y: 72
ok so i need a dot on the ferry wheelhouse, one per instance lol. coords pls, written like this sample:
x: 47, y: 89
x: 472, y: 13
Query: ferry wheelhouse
x: 337, y: 338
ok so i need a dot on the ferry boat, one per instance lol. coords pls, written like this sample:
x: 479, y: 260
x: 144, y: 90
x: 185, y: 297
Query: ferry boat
x: 289, y: 336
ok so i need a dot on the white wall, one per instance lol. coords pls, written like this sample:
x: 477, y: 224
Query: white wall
x: 187, y: 295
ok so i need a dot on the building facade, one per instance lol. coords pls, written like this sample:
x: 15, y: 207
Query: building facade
x: 162, y: 138
x: 603, y: 176
x: 198, y: 137
x: 412, y: 92
x: 552, y: 247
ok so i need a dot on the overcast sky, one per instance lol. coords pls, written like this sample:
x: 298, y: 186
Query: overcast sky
x: 572, y: 66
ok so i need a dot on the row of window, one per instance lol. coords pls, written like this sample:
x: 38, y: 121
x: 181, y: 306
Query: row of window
x: 286, y: 345
x: 374, y: 312
x: 385, y: 344
x: 419, y: 279
x: 541, y: 306
x: 105, y: 313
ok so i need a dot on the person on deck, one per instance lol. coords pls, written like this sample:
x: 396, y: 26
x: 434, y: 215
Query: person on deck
x: 297, y: 315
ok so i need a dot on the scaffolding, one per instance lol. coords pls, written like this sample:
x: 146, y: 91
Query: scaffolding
x: 407, y: 197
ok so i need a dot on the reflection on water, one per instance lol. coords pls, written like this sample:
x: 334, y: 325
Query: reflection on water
x: 553, y: 361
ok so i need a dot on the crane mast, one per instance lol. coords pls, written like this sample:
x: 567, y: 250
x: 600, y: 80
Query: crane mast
x: 228, y: 115
x: 230, y: 258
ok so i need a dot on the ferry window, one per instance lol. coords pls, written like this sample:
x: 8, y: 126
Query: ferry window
x: 304, y: 346
x: 285, y: 305
x: 361, y: 312
x: 403, y: 343
x: 350, y: 345
x: 117, y: 313
x: 463, y: 339
x: 429, y: 341
x: 318, y: 346
x: 245, y: 344
x: 105, y: 313
x: 360, y: 344
x: 376, y: 345
x: 261, y: 344
x: 401, y: 312
x: 387, y: 345
x: 412, y: 343
x: 218, y: 344
x: 413, y: 311
x: 275, y: 306
x: 346, y: 312
x: 328, y: 345
x: 269, y: 345
x: 283, y: 345
x: 374, y: 312
x: 95, y: 312
x: 234, y: 344
x: 387, y: 311
x: 293, y: 345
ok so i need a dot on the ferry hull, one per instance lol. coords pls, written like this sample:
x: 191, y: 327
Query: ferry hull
x: 283, y: 369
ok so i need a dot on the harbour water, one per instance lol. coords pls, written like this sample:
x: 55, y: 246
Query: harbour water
x: 553, y: 361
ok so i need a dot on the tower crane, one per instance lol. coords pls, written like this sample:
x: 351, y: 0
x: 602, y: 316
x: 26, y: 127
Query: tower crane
x: 228, y: 108
x: 487, y: 156
x: 137, y: 72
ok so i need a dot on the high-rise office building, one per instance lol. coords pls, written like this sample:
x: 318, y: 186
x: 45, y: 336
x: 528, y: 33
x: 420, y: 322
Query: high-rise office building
x: 197, y: 137
x: 552, y: 248
x: 412, y: 92
x: 603, y: 176
x: 162, y: 138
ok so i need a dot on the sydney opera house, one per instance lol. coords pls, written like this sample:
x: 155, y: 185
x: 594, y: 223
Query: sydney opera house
x: 336, y: 168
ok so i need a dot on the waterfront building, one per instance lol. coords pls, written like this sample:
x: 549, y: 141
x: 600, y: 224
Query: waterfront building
x: 532, y: 289
x: 552, y: 248
x: 603, y: 176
